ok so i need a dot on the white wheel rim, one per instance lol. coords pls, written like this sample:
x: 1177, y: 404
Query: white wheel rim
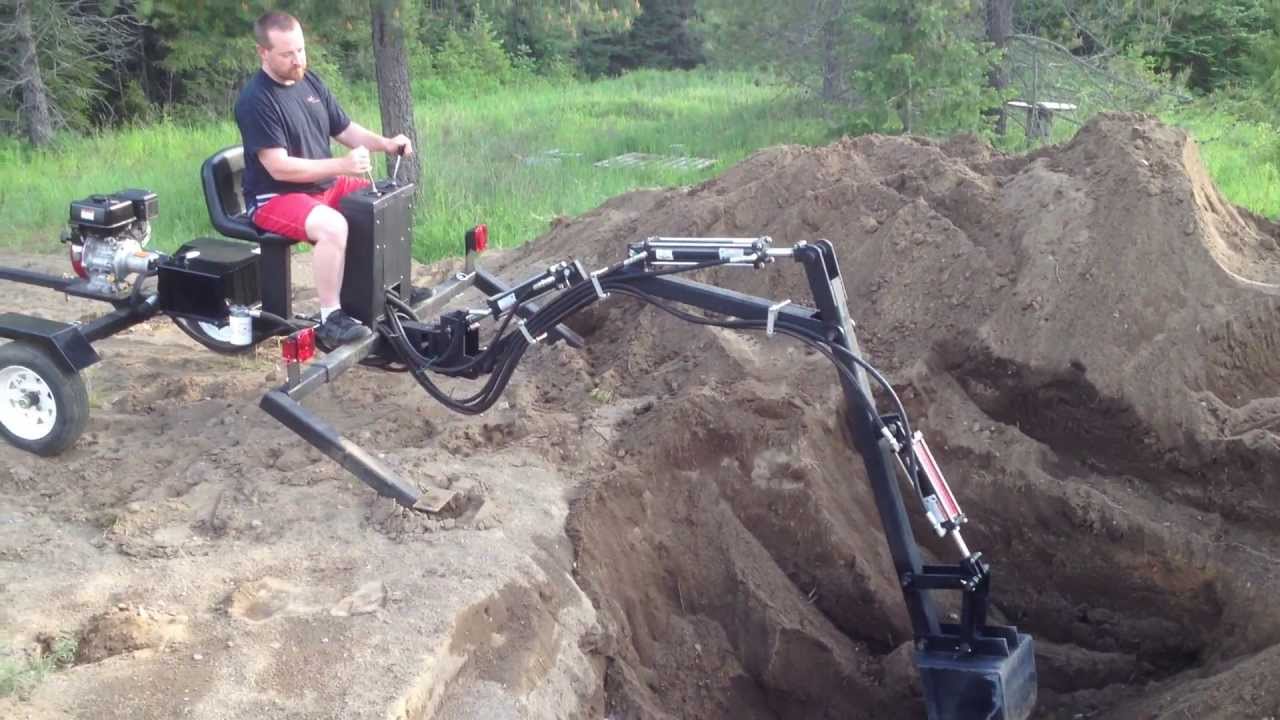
x: 221, y: 333
x: 27, y: 407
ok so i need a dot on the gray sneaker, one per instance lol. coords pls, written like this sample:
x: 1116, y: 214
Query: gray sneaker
x: 339, y: 330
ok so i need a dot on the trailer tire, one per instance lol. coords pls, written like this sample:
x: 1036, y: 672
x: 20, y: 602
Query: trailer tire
x: 44, y: 406
x: 198, y: 330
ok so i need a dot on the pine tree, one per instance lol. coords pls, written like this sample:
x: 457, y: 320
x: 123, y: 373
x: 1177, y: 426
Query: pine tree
x: 661, y: 37
x: 914, y: 65
x: 922, y: 65
x: 57, y: 58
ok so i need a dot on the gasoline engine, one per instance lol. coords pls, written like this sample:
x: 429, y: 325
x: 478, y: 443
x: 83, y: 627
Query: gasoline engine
x: 107, y: 237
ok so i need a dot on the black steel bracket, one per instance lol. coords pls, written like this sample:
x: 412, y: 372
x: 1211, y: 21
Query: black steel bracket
x: 65, y: 342
x: 285, y: 402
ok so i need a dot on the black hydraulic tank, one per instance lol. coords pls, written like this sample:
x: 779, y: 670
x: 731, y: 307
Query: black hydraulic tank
x: 379, y: 248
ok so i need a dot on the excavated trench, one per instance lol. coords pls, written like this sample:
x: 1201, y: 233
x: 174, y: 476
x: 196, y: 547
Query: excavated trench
x: 745, y: 575
x: 1126, y: 588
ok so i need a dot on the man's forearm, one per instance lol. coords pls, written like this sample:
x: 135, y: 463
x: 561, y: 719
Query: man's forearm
x: 357, y: 135
x: 301, y: 170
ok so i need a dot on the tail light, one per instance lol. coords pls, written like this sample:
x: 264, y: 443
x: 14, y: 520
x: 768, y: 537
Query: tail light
x: 77, y: 259
x: 478, y: 239
x: 299, y: 347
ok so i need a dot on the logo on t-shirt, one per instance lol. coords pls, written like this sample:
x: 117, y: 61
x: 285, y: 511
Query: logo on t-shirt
x: 313, y: 99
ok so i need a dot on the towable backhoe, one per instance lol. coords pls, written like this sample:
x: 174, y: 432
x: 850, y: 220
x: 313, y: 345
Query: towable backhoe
x: 232, y: 293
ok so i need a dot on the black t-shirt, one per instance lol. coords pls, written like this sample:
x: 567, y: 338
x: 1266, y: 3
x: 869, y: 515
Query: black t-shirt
x: 299, y: 118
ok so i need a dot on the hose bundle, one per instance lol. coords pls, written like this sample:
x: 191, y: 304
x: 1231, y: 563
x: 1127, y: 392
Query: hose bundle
x: 509, y: 346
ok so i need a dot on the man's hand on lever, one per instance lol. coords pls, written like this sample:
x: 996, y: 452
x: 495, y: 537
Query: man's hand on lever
x: 358, y: 162
x: 398, y: 145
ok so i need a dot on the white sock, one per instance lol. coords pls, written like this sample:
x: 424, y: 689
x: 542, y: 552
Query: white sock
x: 324, y: 312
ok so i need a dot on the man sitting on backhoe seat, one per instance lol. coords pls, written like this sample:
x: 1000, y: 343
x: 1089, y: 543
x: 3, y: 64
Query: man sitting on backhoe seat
x: 292, y: 183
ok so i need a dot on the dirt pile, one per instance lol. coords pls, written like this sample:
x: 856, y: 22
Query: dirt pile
x: 1088, y: 334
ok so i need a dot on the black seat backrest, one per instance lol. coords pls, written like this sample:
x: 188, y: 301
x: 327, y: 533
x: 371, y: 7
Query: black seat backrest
x: 223, y: 178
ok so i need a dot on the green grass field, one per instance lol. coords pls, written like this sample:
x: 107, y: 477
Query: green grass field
x: 1241, y: 156
x: 518, y: 158
x: 486, y: 158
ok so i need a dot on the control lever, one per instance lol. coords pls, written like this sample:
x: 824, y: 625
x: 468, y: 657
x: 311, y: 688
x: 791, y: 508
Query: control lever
x: 395, y: 172
x: 373, y: 184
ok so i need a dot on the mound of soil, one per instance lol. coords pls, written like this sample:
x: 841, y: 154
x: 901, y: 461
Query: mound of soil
x: 126, y: 630
x: 1087, y: 334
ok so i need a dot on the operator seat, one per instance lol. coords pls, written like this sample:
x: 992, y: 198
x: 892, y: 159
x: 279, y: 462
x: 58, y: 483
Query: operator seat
x: 223, y: 179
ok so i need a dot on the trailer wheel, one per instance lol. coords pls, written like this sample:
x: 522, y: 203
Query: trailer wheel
x: 211, y: 335
x: 44, y: 406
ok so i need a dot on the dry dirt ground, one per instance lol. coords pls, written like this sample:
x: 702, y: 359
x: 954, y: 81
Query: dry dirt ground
x: 668, y: 524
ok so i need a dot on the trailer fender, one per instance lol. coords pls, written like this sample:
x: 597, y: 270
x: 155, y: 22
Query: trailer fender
x: 64, y: 342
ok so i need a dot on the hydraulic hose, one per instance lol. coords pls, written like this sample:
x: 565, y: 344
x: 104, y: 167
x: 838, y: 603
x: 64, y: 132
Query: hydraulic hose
x: 509, y: 347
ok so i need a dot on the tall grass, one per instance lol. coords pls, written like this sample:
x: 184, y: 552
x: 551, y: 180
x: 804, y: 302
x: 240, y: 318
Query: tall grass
x: 1241, y: 155
x: 485, y: 157
x: 488, y: 157
x: 36, y: 188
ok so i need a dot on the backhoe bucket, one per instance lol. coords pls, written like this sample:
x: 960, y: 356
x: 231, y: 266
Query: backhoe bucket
x: 979, y: 687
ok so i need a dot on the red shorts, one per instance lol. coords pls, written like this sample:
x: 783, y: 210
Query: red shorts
x: 287, y: 214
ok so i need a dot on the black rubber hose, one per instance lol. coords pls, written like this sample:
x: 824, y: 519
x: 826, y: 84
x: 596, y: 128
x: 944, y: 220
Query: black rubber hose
x: 580, y: 296
x: 276, y: 320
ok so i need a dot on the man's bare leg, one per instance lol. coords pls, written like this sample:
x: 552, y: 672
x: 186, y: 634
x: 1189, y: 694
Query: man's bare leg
x: 327, y: 228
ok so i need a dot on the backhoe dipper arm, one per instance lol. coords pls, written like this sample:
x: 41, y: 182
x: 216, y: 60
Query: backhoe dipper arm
x: 970, y: 669
x: 831, y: 322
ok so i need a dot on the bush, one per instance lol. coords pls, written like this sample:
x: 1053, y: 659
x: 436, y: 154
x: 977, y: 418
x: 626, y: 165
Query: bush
x: 471, y: 61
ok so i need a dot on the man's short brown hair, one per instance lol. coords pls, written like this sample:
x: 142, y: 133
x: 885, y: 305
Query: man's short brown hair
x: 278, y: 21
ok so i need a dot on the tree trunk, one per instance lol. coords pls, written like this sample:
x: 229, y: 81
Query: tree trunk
x: 908, y: 110
x: 395, y: 98
x: 37, y: 121
x: 999, y: 29
x: 906, y: 105
x: 832, y: 62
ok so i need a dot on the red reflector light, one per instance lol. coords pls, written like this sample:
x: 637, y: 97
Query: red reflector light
x: 299, y: 347
x: 306, y: 344
x: 77, y: 256
x: 478, y: 239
